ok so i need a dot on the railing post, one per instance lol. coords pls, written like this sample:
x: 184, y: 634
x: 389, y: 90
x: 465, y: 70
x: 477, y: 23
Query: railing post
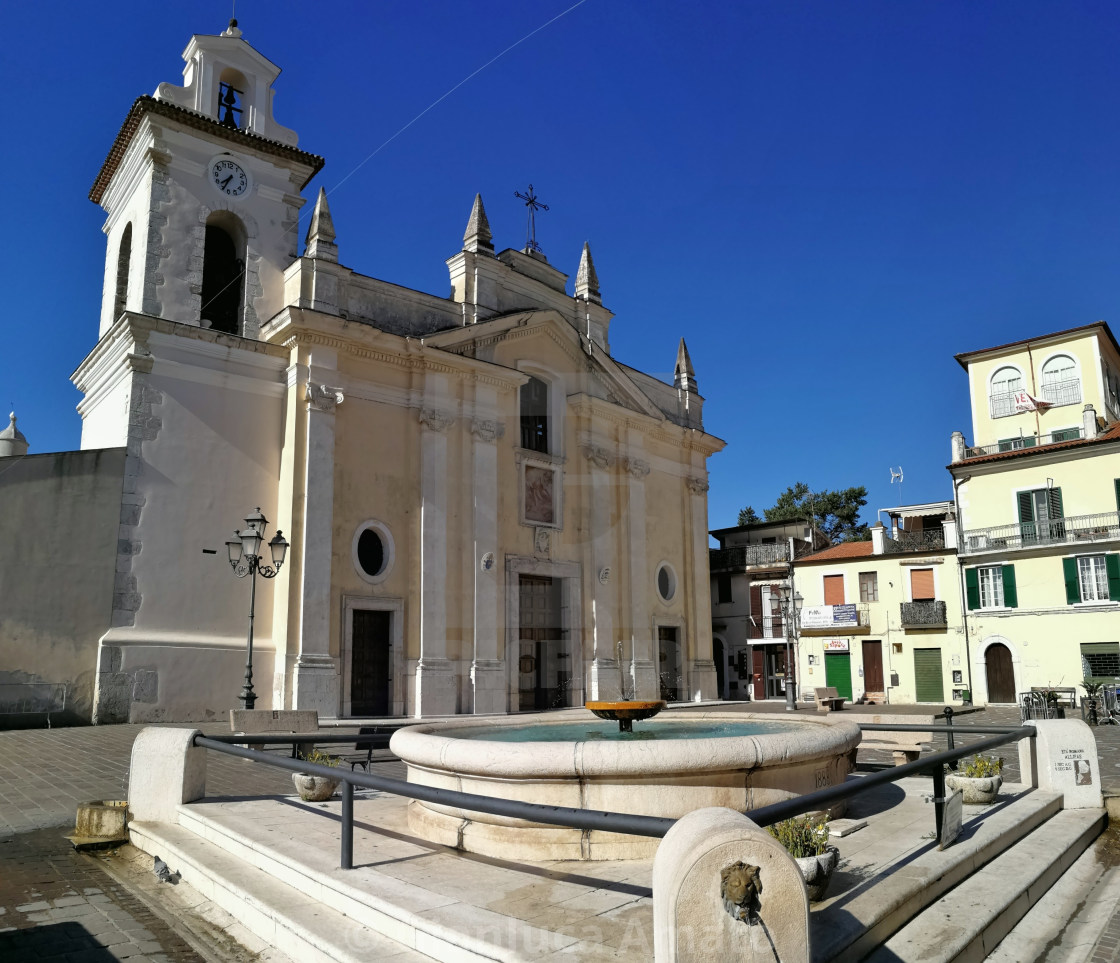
x: 347, y: 824
x: 950, y: 744
x: 938, y: 799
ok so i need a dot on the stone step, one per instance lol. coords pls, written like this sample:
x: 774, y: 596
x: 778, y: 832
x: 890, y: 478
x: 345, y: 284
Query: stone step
x: 1064, y: 926
x: 852, y: 924
x: 282, y: 915
x: 967, y: 923
x: 397, y: 917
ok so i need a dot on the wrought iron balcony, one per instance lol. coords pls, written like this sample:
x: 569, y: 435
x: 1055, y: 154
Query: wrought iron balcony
x: 1026, y: 441
x: 767, y: 627
x: 1062, y: 392
x: 742, y: 557
x: 923, y: 615
x: 928, y: 541
x: 1076, y: 529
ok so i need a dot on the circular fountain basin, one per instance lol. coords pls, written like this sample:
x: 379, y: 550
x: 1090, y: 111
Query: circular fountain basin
x: 666, y: 767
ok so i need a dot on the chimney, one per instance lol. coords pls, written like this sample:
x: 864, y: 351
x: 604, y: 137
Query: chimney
x: 1089, y: 422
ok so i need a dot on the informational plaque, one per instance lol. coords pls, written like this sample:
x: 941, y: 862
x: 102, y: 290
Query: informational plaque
x: 952, y: 818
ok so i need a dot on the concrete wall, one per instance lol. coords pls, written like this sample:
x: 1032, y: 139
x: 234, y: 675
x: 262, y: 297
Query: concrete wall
x: 58, y: 529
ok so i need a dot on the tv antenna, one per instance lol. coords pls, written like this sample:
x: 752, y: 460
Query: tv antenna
x: 897, y: 476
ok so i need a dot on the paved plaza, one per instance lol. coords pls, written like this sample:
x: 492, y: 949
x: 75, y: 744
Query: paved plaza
x: 59, y: 904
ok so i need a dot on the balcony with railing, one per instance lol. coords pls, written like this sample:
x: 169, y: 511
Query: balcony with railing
x: 923, y: 615
x: 767, y: 627
x: 1073, y: 530
x: 742, y: 557
x: 931, y: 540
x: 1023, y: 442
x: 1055, y: 393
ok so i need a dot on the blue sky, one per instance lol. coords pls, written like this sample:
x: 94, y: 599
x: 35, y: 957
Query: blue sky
x: 826, y: 199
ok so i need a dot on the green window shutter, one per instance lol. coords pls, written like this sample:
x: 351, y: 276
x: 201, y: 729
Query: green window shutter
x: 1117, y: 484
x: 1112, y: 567
x: 972, y: 588
x: 1006, y: 444
x: 1010, y: 597
x: 1030, y: 441
x: 1073, y: 586
x: 1026, y: 508
x: 1054, y: 503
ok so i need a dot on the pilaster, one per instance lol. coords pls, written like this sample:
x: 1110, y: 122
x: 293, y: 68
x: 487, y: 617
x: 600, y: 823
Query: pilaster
x: 642, y: 682
x: 488, y: 681
x: 605, y: 683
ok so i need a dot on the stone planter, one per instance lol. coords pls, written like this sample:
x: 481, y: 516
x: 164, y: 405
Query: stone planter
x: 978, y: 790
x: 817, y: 872
x: 314, y: 788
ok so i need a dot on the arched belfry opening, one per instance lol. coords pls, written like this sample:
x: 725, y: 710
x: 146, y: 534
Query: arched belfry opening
x: 232, y: 87
x: 124, y: 257
x: 223, y: 274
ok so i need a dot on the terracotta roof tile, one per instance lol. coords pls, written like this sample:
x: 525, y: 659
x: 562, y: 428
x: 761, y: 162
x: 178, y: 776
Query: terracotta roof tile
x: 843, y: 550
x: 1110, y: 433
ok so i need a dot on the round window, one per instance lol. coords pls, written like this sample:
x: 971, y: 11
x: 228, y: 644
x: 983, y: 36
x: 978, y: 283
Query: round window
x: 372, y: 551
x: 666, y: 582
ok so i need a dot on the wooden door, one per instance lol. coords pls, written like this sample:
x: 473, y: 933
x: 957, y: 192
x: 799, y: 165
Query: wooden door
x: 370, y: 645
x: 543, y: 679
x: 873, y: 666
x: 758, y: 672
x: 1000, y: 673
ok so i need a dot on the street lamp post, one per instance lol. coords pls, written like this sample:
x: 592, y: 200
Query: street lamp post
x: 245, y: 560
x: 791, y: 609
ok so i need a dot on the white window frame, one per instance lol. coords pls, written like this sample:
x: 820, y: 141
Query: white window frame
x: 388, y: 546
x: 994, y: 588
x: 1069, y: 397
x: 1092, y: 573
x: 992, y: 395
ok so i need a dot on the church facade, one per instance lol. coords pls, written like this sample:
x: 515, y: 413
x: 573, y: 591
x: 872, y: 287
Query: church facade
x: 486, y: 511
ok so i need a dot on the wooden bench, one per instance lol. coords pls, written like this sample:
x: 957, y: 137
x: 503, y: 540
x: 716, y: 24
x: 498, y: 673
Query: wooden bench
x: 828, y: 699
x: 250, y: 722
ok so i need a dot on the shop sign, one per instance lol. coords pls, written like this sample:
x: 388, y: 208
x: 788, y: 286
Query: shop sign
x: 827, y: 616
x: 836, y: 645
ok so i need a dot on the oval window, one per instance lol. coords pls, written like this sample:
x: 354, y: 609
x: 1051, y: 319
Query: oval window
x: 666, y: 582
x: 372, y: 551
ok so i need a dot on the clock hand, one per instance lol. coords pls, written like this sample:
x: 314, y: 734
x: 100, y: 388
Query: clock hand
x: 225, y: 183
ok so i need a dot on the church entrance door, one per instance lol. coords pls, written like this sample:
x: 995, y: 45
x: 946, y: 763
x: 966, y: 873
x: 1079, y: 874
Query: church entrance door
x: 544, y: 661
x: 370, y: 648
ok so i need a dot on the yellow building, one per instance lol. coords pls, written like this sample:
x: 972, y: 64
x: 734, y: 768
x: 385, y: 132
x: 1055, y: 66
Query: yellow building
x: 1038, y: 496
x: 881, y: 620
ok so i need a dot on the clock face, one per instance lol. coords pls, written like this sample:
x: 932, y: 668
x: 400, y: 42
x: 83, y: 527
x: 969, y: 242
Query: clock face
x: 228, y: 177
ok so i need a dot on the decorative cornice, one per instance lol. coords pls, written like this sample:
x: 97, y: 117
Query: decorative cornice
x: 487, y: 430
x: 696, y: 485
x: 597, y: 455
x: 435, y: 419
x: 637, y: 467
x: 323, y: 397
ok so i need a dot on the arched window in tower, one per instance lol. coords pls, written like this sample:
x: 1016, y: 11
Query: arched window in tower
x: 223, y: 280
x: 534, y: 415
x: 231, y: 98
x: 124, y: 256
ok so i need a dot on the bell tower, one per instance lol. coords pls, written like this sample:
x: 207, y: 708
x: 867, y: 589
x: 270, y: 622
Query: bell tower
x: 202, y: 192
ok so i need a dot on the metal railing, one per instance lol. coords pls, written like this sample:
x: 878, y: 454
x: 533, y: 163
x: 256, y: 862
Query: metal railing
x: 926, y: 541
x: 744, y: 556
x: 1102, y: 526
x: 627, y: 823
x: 767, y: 627
x: 1023, y: 442
x: 922, y: 614
x: 1060, y: 393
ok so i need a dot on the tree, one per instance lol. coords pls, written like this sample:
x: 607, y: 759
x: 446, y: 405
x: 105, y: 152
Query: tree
x: 834, y: 513
x: 747, y: 516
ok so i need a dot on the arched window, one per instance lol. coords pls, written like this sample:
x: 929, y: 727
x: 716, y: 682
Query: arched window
x: 1061, y: 384
x: 124, y: 256
x: 223, y: 280
x: 1005, y: 382
x: 534, y: 415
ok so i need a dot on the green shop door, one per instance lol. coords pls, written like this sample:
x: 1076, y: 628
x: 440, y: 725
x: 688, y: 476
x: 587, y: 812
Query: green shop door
x: 928, y: 683
x: 838, y: 672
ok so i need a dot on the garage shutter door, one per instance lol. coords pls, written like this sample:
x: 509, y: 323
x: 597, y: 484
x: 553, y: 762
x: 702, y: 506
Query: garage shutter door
x: 927, y: 675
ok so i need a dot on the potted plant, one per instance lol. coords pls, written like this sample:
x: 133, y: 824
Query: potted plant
x: 979, y: 779
x: 312, y: 788
x: 806, y: 840
x: 1090, y: 705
